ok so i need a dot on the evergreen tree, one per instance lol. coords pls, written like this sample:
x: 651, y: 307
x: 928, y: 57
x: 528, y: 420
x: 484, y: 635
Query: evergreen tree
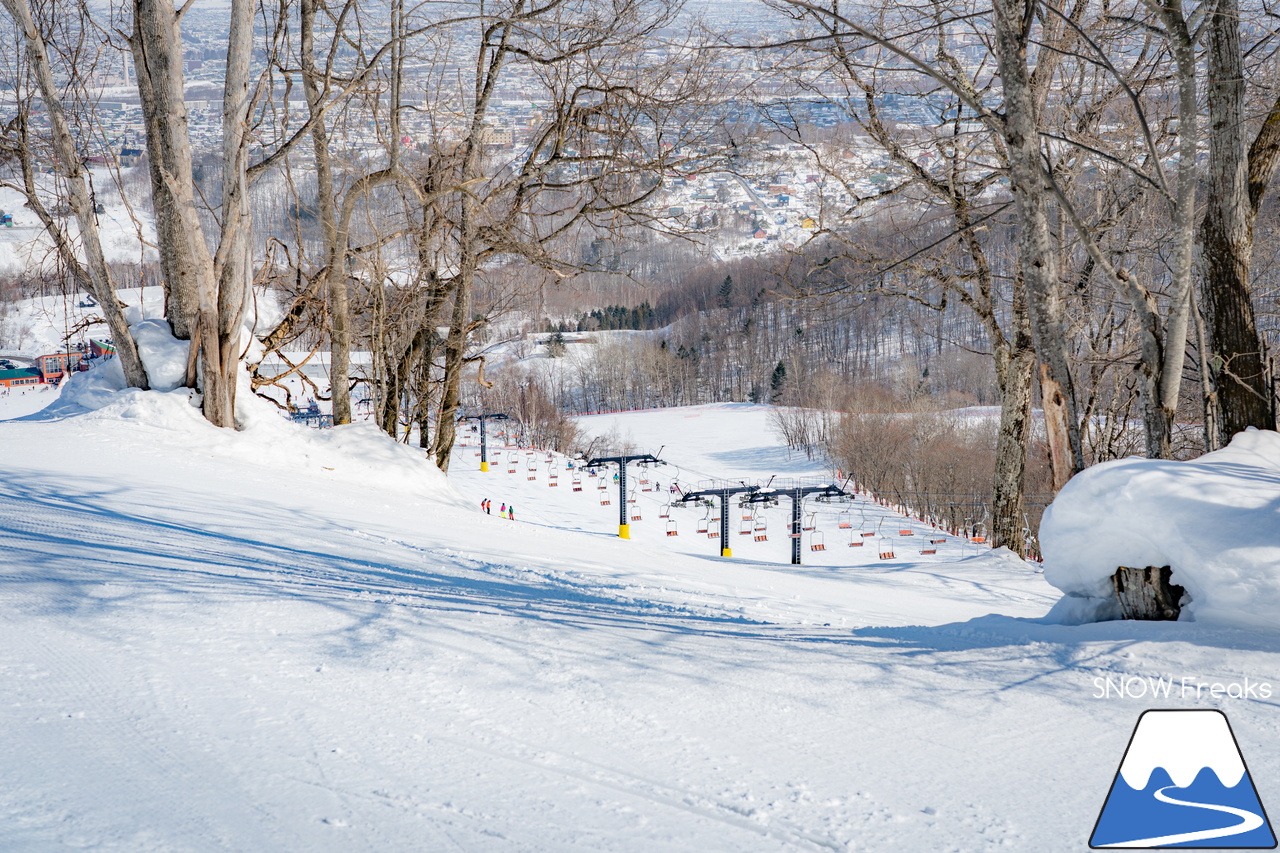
x: 776, y: 381
x: 726, y: 292
x: 556, y: 345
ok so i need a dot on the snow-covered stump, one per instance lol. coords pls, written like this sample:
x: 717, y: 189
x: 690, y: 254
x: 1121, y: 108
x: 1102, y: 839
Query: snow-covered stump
x: 1146, y: 593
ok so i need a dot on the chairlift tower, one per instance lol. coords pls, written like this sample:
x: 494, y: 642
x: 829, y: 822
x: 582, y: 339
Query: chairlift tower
x: 723, y: 492
x: 484, y: 445
x: 624, y: 529
x: 797, y: 493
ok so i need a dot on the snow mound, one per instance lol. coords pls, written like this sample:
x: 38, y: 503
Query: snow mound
x: 1215, y: 520
x: 352, y: 455
x: 164, y: 356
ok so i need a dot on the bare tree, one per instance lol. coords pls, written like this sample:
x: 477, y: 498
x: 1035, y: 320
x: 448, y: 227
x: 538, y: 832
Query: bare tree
x: 92, y: 273
x: 1238, y: 395
x: 205, y: 292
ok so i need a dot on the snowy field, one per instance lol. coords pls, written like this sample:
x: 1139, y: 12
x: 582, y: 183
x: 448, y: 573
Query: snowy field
x: 292, y: 640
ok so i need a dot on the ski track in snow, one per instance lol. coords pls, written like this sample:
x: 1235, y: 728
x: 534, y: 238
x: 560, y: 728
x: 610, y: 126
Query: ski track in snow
x: 203, y: 650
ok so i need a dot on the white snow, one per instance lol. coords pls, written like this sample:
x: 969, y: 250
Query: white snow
x: 25, y: 246
x: 1214, y: 520
x: 1183, y: 743
x: 295, y: 640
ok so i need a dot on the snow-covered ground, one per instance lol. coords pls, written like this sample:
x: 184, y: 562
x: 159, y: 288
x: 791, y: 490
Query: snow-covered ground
x: 25, y: 246
x: 296, y: 640
x: 43, y: 325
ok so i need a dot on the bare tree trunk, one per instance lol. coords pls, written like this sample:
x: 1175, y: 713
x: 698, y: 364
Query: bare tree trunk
x: 1035, y: 244
x: 335, y: 269
x: 94, y: 271
x: 454, y: 358
x: 1235, y: 351
x: 233, y: 264
x: 191, y: 287
x: 489, y: 62
x: 1015, y: 367
x: 184, y: 258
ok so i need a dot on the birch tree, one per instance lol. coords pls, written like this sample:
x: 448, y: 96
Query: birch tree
x: 83, y: 257
x: 205, y: 292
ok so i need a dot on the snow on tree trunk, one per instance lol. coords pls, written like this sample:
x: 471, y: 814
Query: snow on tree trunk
x: 204, y: 297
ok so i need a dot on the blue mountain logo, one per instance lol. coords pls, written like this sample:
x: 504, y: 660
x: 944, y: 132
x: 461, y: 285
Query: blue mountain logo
x: 1183, y: 783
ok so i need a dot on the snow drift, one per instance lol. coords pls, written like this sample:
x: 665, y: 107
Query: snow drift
x: 355, y: 454
x: 1215, y: 520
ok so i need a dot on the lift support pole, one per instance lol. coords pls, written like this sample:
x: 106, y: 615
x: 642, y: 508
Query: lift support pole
x: 484, y: 445
x: 797, y: 495
x: 723, y: 493
x: 624, y: 529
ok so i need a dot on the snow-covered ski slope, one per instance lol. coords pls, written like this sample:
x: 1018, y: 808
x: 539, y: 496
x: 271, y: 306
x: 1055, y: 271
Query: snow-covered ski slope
x: 293, y: 640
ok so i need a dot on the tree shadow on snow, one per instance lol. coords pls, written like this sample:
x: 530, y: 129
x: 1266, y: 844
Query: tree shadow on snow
x: 92, y: 548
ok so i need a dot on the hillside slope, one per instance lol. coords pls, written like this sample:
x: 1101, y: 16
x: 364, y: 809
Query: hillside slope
x: 289, y: 640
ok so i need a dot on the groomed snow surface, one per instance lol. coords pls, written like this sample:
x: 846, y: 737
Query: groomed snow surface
x: 281, y: 639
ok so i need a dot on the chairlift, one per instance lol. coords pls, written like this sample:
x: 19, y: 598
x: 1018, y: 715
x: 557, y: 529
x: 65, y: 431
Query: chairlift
x: 553, y: 476
x: 817, y: 542
x: 704, y: 525
x: 531, y: 469
x: 671, y: 528
x: 512, y: 461
x: 577, y: 481
x: 929, y: 547
x: 604, y: 498
x: 886, y: 548
x: 846, y: 520
x: 744, y: 528
x: 862, y: 525
x: 761, y: 530
x: 979, y: 533
x: 665, y: 512
x: 855, y: 541
x: 635, y: 514
x: 812, y: 522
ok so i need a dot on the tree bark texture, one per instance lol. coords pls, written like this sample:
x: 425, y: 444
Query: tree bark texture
x: 1035, y: 243
x: 335, y: 254
x: 191, y: 284
x: 233, y: 264
x: 1147, y: 594
x: 1015, y: 368
x: 1236, y: 358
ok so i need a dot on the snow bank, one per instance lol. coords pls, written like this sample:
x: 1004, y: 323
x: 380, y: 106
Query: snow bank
x: 1215, y: 520
x: 352, y: 455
